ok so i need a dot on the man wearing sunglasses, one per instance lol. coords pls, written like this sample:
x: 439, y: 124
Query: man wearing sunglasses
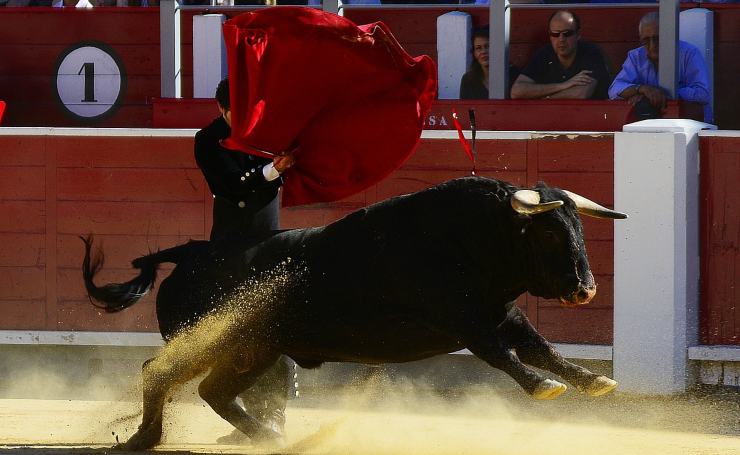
x: 637, y: 82
x: 568, y: 68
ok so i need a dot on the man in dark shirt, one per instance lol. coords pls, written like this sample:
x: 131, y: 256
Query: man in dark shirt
x: 245, y: 191
x: 568, y: 68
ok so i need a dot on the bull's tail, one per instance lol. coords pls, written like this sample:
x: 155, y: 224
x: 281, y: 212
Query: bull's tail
x: 114, y: 297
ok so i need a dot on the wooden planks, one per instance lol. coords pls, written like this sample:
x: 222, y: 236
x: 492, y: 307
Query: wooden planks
x: 138, y: 194
x: 720, y: 240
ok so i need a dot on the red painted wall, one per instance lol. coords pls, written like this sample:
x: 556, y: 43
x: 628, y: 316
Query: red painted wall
x: 28, y: 58
x: 135, y: 194
x: 501, y: 115
x: 720, y: 240
x: 32, y: 39
x: 142, y: 193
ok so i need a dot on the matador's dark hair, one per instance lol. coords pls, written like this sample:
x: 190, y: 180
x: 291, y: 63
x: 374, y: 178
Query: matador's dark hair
x: 222, y: 94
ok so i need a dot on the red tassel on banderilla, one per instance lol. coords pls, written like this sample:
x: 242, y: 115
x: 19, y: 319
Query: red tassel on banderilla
x: 470, y: 151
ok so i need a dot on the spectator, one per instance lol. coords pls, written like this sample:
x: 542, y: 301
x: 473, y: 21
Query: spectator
x: 637, y: 82
x: 474, y: 83
x: 569, y: 68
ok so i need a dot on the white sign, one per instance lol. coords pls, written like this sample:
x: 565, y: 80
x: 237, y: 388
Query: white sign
x: 89, y: 80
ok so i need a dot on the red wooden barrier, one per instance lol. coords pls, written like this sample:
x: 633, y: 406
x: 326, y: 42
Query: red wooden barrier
x: 504, y: 115
x: 135, y: 193
x: 548, y: 115
x: 720, y: 240
x: 142, y: 193
x: 183, y: 112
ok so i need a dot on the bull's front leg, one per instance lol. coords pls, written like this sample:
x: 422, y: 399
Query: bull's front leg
x: 233, y: 375
x: 495, y: 353
x: 533, y: 349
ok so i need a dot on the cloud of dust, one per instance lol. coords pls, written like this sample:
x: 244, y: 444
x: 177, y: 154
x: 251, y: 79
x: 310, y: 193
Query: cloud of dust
x: 377, y: 416
x: 112, y: 408
x: 42, y: 406
x: 406, y: 417
x: 73, y: 377
x: 232, y: 332
x: 409, y: 419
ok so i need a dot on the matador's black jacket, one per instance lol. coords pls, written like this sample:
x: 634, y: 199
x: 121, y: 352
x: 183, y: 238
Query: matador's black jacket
x: 239, y: 187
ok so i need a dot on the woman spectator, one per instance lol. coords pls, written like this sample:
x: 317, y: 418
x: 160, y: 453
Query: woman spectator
x: 474, y: 83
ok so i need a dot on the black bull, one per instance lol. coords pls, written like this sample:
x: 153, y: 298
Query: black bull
x: 414, y: 276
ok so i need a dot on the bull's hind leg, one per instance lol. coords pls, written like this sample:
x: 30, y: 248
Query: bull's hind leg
x: 226, y: 380
x: 533, y: 349
x: 158, y: 377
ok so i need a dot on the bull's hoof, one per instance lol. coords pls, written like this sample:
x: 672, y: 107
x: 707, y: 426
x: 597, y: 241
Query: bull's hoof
x: 549, y: 389
x: 141, y: 440
x: 236, y: 437
x: 601, y: 386
x: 269, y: 436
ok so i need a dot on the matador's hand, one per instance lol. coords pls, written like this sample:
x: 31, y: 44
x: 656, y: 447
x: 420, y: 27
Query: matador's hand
x: 283, y: 161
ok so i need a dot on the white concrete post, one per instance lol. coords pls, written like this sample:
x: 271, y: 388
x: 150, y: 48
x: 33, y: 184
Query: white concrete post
x: 668, y: 47
x: 499, y: 14
x: 453, y: 52
x: 330, y: 6
x: 169, y: 49
x: 656, y: 254
x: 696, y: 26
x: 209, y: 54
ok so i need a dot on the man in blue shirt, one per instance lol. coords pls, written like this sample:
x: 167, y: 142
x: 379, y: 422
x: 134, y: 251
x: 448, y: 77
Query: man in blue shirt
x: 638, y: 79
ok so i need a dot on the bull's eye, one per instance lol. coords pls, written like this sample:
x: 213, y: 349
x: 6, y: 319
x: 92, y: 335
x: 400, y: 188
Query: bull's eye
x: 551, y: 237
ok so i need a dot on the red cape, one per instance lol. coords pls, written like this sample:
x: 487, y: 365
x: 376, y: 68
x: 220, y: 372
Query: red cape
x: 348, y: 97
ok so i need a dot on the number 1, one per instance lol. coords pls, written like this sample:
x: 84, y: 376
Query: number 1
x: 89, y: 69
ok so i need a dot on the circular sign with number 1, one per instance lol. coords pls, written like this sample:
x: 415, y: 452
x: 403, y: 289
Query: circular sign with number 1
x: 90, y: 80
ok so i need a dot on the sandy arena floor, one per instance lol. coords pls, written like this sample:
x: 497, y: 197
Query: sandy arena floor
x: 400, y: 420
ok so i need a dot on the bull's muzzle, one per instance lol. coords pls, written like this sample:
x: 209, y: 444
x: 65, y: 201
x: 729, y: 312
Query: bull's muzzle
x: 580, y: 296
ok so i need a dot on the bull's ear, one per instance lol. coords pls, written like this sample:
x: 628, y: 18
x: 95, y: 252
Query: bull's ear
x: 590, y: 208
x: 527, y: 202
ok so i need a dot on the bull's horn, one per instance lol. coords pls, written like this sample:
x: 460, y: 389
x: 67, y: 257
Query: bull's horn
x: 590, y: 208
x: 527, y: 202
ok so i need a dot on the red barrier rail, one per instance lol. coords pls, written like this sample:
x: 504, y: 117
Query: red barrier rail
x: 140, y: 190
x: 504, y: 115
